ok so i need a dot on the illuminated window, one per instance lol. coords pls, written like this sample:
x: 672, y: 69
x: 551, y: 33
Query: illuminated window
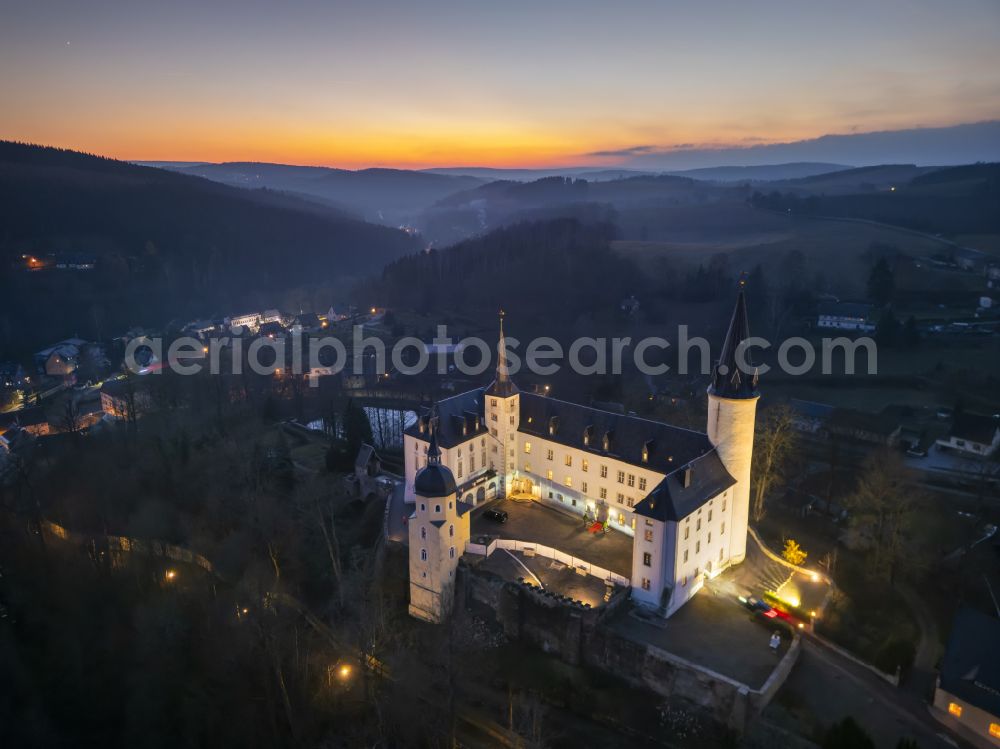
x: 527, y: 468
x: 995, y: 730
x: 586, y: 465
x: 527, y: 447
x: 649, y: 535
x: 955, y: 709
x: 645, y: 583
x: 568, y: 460
x: 569, y: 481
x: 548, y: 474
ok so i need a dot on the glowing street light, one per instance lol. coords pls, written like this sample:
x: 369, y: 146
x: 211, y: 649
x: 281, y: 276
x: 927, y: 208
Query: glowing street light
x: 170, y: 575
x: 344, y: 672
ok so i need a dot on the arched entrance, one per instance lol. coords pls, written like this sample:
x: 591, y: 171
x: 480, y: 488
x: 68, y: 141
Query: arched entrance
x: 480, y: 494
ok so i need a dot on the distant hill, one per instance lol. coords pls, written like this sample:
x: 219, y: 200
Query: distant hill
x: 491, y: 174
x: 563, y: 267
x: 387, y: 196
x: 763, y: 173
x: 166, y: 245
x: 951, y: 200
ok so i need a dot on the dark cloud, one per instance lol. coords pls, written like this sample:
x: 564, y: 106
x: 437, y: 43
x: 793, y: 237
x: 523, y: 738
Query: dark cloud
x: 630, y: 151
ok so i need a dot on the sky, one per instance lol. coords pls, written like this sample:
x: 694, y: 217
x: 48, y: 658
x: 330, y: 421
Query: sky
x: 504, y: 83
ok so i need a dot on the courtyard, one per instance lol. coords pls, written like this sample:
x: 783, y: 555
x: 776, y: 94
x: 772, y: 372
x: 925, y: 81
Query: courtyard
x: 533, y: 521
x: 548, y: 574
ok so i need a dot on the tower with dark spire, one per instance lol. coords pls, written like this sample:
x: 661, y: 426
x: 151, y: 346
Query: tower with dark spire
x: 438, y: 530
x: 503, y: 414
x: 732, y: 411
x: 734, y: 375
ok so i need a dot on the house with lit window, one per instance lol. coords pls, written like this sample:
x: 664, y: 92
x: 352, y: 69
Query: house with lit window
x: 682, y: 495
x: 972, y: 434
x: 967, y: 695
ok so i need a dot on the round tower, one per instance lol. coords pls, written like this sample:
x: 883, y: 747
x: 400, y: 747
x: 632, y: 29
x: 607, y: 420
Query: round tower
x: 732, y: 409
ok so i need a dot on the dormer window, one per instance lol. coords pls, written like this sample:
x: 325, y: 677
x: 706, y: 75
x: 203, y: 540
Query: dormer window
x: 587, y: 432
x: 553, y: 424
x: 422, y: 425
x: 606, y: 441
x: 646, y: 450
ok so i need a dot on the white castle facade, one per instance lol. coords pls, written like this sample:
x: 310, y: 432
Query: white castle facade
x: 682, y: 495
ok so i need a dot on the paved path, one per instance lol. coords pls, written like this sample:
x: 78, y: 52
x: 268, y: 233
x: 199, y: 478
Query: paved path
x: 921, y: 681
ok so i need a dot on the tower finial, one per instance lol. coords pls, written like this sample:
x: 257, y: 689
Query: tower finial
x: 502, y: 385
x: 433, y: 451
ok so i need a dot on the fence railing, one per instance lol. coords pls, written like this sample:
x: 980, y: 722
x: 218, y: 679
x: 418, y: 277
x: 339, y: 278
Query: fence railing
x: 532, y: 548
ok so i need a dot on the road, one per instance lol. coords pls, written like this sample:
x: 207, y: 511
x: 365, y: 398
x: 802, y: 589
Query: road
x: 832, y: 687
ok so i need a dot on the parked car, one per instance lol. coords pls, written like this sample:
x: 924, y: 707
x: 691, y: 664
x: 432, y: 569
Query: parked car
x: 497, y: 516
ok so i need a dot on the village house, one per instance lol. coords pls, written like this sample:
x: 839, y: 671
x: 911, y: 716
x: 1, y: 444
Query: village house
x: 967, y: 695
x: 973, y: 434
x: 846, y: 316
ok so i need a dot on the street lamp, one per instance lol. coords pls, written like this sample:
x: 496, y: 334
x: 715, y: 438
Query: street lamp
x: 170, y: 575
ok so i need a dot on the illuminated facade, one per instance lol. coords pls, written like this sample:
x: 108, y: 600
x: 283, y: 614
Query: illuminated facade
x: 682, y: 495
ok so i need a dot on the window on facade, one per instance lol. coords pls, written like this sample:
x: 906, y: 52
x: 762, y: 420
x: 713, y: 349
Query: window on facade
x: 722, y: 530
x: 642, y: 484
x: 684, y: 581
x: 630, y: 502
x: 451, y: 552
x: 568, y: 460
x: 645, y: 454
x: 621, y: 498
x: 569, y: 481
x: 697, y: 547
x: 493, y: 417
x: 649, y: 535
x: 472, y: 463
x: 437, y: 508
x: 460, y: 469
x: 527, y: 448
x: 451, y: 530
x: 527, y: 467
x: 631, y: 479
x: 710, y: 516
x: 604, y: 472
x: 548, y: 474
x: 493, y: 402
x: 685, y: 556
x: 955, y: 709
x: 710, y: 537
x: 493, y: 431
x: 423, y: 532
x: 697, y: 526
x: 621, y: 477
x: 723, y: 505
x: 585, y: 466
x: 621, y: 518
x: 423, y: 555
x: 583, y: 486
x: 512, y: 419
x: 548, y: 455
x: 422, y: 507
x: 687, y: 532
x: 720, y: 555
x: 647, y: 559
x: 645, y: 583
x: 604, y: 493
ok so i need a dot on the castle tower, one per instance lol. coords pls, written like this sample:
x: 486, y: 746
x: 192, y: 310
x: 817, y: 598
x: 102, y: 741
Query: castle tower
x: 438, y: 532
x: 732, y: 406
x: 503, y: 409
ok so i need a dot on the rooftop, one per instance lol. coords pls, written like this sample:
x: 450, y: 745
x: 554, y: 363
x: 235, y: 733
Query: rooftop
x: 970, y: 668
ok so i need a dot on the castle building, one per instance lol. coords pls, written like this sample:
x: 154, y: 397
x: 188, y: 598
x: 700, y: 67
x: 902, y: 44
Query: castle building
x: 682, y: 495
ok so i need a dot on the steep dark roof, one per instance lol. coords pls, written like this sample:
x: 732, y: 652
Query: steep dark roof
x: 434, y: 479
x: 502, y: 386
x: 970, y: 669
x: 974, y: 427
x: 728, y: 380
x: 706, y: 477
x: 845, y: 309
x: 668, y: 446
x: 452, y: 413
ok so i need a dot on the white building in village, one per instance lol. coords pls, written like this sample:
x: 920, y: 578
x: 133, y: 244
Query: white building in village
x: 682, y: 495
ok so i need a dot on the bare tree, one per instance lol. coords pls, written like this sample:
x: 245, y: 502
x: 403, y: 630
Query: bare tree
x: 774, y: 443
x: 882, y: 507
